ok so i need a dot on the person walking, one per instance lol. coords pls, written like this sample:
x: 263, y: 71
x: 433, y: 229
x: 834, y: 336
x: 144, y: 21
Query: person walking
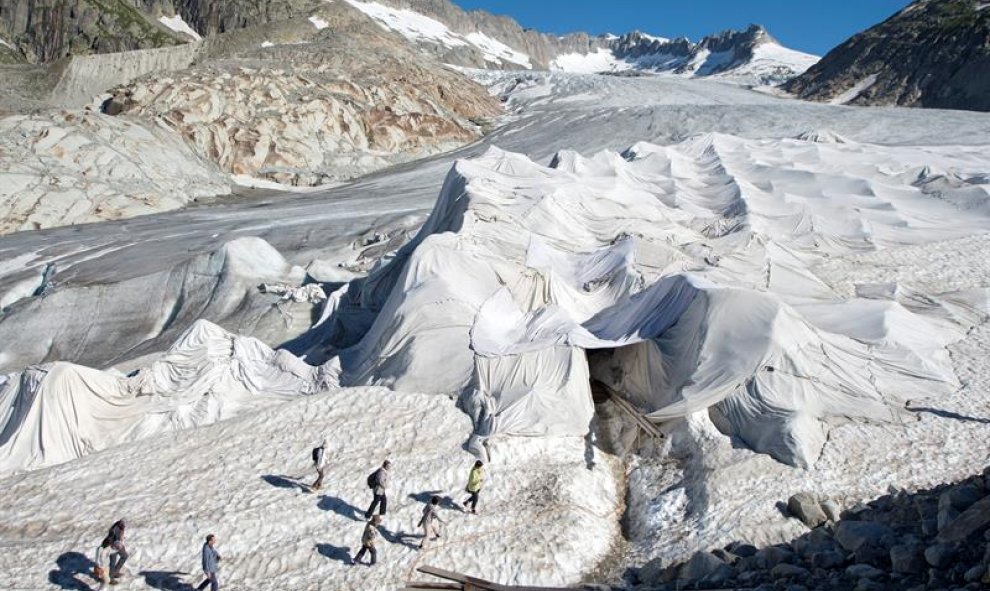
x: 119, y: 554
x: 368, y: 539
x: 378, y: 481
x: 102, y: 569
x: 475, y: 479
x: 320, y: 458
x: 211, y: 563
x: 430, y: 522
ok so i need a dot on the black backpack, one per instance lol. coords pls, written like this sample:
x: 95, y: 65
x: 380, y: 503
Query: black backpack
x: 316, y: 453
x: 373, y: 479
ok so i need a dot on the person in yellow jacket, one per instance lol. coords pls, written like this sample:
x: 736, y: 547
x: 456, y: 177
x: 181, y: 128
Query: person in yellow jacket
x: 475, y: 479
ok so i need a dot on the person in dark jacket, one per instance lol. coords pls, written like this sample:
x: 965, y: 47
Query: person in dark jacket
x: 368, y: 539
x: 320, y: 458
x: 119, y: 555
x: 430, y: 522
x: 380, y: 478
x: 211, y: 563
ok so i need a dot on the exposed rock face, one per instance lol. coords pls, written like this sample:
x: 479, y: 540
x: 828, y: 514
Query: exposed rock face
x: 67, y: 168
x: 934, y: 53
x: 345, y: 101
x: 308, y: 126
x: 46, y: 30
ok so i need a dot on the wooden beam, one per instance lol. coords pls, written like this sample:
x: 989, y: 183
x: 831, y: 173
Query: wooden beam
x: 624, y: 405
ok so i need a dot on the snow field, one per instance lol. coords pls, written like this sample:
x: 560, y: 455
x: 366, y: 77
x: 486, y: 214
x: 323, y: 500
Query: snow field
x: 180, y: 26
x: 544, y: 516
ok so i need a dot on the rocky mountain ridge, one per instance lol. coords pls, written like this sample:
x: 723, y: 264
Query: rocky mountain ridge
x: 934, y: 53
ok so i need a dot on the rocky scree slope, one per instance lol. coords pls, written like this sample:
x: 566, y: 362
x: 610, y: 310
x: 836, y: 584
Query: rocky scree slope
x: 925, y: 540
x: 934, y: 53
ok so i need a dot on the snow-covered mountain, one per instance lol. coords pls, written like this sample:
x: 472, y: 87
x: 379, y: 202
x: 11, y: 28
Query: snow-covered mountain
x: 479, y: 39
x: 751, y: 54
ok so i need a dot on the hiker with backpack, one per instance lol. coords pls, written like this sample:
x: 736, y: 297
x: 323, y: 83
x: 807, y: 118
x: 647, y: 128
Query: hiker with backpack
x: 211, y: 560
x: 101, y: 572
x: 368, y: 539
x: 119, y: 553
x: 431, y: 520
x: 475, y: 479
x: 320, y: 464
x: 377, y: 482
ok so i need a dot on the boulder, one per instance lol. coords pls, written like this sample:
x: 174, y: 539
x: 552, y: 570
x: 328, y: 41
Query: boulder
x: 954, y: 501
x: 700, y: 566
x: 974, y: 518
x: 869, y: 585
x: 770, y: 557
x: 907, y: 558
x: 828, y: 560
x: 872, y: 553
x: 726, y: 556
x: 651, y: 573
x: 806, y: 508
x: 832, y: 510
x: 864, y: 571
x: 940, y: 555
x: 789, y: 571
x: 853, y: 534
x: 742, y: 550
x: 974, y: 574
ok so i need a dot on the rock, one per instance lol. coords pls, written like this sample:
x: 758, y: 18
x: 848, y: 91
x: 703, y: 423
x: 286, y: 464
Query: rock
x: 853, y: 534
x: 832, y: 510
x: 871, y: 553
x: 907, y: 558
x: 828, y: 560
x: 725, y: 555
x: 974, y: 574
x: 864, y: 571
x: 742, y: 550
x: 868, y: 585
x: 75, y: 167
x: 940, y: 555
x: 796, y: 588
x: 975, y: 518
x: 954, y: 501
x: 651, y: 573
x: 806, y: 508
x: 769, y: 557
x: 790, y: 571
x: 700, y: 566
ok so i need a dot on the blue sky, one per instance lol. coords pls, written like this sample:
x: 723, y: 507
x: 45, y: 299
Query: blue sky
x: 815, y: 26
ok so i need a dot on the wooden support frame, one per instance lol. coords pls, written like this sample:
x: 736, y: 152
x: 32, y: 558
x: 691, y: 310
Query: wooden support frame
x: 463, y: 582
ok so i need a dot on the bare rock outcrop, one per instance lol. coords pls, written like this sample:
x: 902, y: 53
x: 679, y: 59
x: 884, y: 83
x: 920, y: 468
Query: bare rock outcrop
x: 934, y: 53
x: 343, y: 101
x: 64, y: 168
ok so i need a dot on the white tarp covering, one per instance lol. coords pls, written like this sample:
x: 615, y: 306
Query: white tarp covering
x: 689, y: 268
x: 57, y: 412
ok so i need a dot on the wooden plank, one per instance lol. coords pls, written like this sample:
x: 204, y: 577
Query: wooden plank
x: 452, y: 576
x: 420, y: 586
x: 636, y: 415
x: 469, y: 583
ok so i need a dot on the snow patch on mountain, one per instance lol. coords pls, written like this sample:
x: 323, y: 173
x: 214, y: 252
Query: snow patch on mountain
x: 318, y: 22
x: 601, y: 60
x: 854, y: 91
x: 177, y: 24
x: 420, y: 28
